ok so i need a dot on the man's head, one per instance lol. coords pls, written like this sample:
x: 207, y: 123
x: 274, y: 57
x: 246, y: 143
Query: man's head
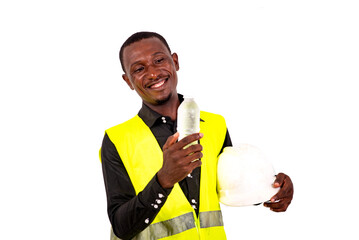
x: 137, y: 37
x: 149, y: 67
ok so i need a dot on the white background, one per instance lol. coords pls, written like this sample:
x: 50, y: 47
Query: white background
x: 283, y: 73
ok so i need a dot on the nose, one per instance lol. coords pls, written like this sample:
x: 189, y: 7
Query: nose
x: 152, y: 73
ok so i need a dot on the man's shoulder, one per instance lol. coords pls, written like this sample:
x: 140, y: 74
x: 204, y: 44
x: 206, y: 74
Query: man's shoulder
x: 124, y: 124
x: 211, y: 116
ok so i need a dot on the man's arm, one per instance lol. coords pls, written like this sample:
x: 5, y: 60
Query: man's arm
x: 129, y: 214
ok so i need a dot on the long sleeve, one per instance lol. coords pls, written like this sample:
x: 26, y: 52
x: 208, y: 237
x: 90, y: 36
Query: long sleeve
x: 129, y: 213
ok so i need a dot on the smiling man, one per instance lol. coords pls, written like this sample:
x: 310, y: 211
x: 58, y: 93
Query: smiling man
x: 151, y: 70
x: 154, y: 188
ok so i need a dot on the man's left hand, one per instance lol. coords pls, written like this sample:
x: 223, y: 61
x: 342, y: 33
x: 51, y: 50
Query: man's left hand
x: 281, y: 201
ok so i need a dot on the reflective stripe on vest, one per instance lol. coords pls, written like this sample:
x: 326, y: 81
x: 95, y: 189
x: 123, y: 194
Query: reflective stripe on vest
x: 169, y: 227
x: 211, y: 219
x: 139, y: 150
x: 179, y: 224
x: 182, y: 223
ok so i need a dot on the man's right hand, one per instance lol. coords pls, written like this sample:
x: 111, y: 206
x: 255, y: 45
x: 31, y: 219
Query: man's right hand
x: 177, y: 161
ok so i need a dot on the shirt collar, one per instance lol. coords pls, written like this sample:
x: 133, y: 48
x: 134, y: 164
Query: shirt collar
x: 149, y: 116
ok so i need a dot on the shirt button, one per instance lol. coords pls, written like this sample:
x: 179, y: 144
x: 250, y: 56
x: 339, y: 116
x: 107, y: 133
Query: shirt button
x: 147, y: 220
x: 158, y: 201
x: 164, y: 120
x: 160, y: 195
x: 189, y: 175
x: 194, y: 206
x: 193, y: 201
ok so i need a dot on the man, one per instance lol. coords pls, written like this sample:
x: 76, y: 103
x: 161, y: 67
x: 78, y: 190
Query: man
x: 154, y: 188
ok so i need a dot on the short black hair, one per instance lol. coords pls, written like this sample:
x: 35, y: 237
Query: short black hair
x: 137, y: 37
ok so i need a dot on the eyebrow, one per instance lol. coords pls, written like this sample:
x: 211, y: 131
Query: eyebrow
x: 154, y: 54
x: 157, y: 53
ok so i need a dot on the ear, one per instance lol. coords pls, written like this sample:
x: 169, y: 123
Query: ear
x: 127, y: 80
x: 175, y: 60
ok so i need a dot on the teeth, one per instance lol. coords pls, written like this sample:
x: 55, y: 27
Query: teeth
x: 157, y: 85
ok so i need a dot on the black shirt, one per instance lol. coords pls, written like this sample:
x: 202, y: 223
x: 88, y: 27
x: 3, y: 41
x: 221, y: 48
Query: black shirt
x: 130, y: 214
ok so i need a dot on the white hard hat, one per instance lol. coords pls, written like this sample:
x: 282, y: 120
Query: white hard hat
x: 244, y: 176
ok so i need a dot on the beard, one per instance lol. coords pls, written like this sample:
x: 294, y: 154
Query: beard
x: 165, y: 100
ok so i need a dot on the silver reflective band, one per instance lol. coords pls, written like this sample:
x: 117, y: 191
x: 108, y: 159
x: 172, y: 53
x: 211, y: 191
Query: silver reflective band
x: 177, y: 225
x: 167, y: 228
x: 210, y: 219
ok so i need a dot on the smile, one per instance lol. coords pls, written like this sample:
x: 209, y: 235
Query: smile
x: 158, y: 84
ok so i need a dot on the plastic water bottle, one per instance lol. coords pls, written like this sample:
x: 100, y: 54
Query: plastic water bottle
x: 188, y: 118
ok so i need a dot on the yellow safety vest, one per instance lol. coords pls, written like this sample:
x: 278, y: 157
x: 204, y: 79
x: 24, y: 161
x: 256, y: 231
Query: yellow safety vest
x: 143, y: 157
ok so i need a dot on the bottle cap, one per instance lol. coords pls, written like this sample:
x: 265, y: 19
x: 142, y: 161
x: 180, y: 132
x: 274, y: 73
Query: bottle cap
x: 188, y: 97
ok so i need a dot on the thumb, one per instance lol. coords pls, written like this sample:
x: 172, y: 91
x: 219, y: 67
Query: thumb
x: 171, y: 140
x: 279, y: 180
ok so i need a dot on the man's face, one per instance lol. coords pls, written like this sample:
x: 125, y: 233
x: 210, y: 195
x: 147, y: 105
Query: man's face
x: 150, y: 69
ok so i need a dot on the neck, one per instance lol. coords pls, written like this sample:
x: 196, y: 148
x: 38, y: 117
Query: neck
x: 168, y: 108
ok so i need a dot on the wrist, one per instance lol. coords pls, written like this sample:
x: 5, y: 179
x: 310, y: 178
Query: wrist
x: 161, y: 178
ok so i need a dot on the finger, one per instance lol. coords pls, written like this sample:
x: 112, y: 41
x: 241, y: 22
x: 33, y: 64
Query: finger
x: 189, y: 139
x: 193, y: 148
x: 278, y: 182
x: 171, y: 140
x: 195, y: 164
x: 274, y: 205
x: 286, y: 190
x: 279, y: 206
x: 280, y: 194
x: 278, y: 209
x: 282, y: 203
x: 193, y: 157
x: 187, y: 160
x: 283, y: 193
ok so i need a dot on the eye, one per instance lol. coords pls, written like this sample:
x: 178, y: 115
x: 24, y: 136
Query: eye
x: 159, y: 60
x: 138, y: 69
